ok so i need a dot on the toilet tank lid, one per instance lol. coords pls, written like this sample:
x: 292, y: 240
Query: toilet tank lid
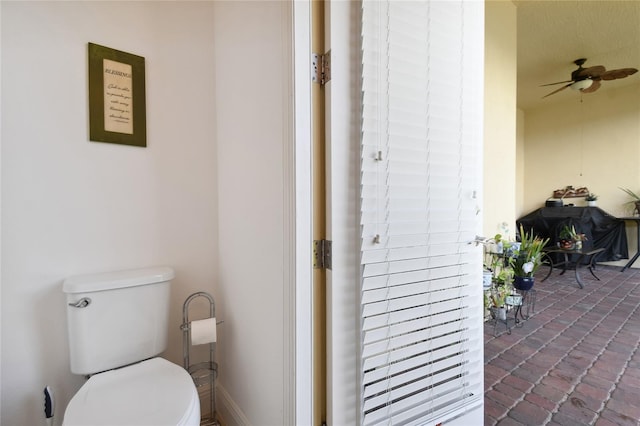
x: 113, y: 280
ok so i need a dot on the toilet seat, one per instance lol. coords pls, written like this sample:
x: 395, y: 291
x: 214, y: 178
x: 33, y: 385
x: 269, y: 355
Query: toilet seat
x: 153, y: 392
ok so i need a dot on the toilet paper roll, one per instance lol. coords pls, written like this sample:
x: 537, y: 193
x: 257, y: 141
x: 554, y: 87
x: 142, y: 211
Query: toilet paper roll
x: 203, y: 331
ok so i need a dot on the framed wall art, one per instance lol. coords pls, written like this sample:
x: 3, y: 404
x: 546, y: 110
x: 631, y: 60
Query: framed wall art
x: 117, y: 108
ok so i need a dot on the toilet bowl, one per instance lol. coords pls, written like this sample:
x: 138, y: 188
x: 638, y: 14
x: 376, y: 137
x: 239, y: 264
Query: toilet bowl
x: 117, y: 325
x: 154, y: 392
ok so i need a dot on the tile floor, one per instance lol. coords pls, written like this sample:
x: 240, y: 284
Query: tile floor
x: 575, y: 361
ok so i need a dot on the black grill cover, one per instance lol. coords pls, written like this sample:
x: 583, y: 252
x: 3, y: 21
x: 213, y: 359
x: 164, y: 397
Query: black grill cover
x: 600, y: 228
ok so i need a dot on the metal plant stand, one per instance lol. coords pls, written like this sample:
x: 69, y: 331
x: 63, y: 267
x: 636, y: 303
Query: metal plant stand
x: 500, y: 315
x: 527, y: 306
x: 518, y: 308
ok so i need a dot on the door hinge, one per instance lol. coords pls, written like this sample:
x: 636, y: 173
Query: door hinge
x: 321, y: 68
x: 322, y: 254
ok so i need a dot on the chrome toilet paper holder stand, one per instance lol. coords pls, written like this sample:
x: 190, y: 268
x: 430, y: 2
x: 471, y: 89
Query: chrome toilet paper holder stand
x: 202, y: 373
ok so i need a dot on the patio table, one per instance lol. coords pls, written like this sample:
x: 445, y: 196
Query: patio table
x: 635, y: 219
x: 588, y: 255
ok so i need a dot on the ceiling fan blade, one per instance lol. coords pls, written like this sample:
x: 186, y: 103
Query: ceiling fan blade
x: 558, y: 82
x: 581, y: 77
x: 619, y: 73
x: 593, y: 72
x: 557, y: 90
x: 594, y: 86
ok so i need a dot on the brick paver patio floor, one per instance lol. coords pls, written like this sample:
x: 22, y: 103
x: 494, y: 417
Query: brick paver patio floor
x: 575, y: 361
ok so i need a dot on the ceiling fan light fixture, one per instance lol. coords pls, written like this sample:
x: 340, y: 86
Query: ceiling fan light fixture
x: 582, y: 84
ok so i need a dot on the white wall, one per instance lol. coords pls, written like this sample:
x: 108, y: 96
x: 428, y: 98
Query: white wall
x: 73, y: 206
x: 253, y: 85
x: 499, y: 193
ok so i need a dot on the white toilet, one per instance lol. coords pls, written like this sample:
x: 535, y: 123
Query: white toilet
x: 117, y: 324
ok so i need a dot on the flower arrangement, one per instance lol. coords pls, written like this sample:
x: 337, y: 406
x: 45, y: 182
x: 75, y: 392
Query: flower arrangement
x: 528, y: 258
x: 570, y: 239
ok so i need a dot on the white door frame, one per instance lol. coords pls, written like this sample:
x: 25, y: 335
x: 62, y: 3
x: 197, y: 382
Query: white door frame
x: 342, y: 112
x: 341, y: 21
x: 302, y: 206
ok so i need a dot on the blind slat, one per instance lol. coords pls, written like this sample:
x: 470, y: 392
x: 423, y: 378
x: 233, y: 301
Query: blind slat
x: 421, y: 305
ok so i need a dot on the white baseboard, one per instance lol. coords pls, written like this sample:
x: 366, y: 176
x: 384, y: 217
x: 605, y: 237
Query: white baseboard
x: 228, y: 411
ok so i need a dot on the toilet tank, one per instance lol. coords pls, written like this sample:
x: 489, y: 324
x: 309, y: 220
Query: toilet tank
x: 116, y: 318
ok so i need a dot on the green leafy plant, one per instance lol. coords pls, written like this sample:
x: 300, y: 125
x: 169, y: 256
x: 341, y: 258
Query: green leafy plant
x: 591, y: 197
x: 501, y: 279
x: 487, y: 300
x: 503, y: 276
x: 570, y: 239
x: 568, y: 233
x: 499, y: 296
x: 528, y: 258
x: 635, y: 197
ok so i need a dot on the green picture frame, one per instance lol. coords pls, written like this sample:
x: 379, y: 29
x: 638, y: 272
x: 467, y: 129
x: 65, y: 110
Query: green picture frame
x: 117, y: 97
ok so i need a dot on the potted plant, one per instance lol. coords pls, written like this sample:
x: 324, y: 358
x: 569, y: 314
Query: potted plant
x: 570, y: 239
x: 497, y: 244
x: 500, y: 284
x: 635, y: 199
x: 591, y: 199
x: 497, y: 298
x: 567, y: 237
x: 527, y: 260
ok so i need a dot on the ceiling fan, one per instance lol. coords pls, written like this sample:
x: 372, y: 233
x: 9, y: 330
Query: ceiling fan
x: 587, y: 80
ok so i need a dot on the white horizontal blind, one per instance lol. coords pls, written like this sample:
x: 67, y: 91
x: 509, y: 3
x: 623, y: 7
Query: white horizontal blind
x: 420, y: 165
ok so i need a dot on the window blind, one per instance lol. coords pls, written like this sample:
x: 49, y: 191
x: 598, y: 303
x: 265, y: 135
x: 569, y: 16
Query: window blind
x: 421, y: 312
